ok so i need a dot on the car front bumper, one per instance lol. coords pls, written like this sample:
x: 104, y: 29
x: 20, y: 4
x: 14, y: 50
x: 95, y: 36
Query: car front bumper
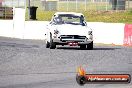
x: 66, y: 41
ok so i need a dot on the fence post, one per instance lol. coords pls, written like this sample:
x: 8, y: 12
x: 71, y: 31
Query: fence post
x: 57, y: 5
x: 67, y: 5
x: 12, y: 3
x: 85, y: 5
x: 28, y: 9
x: 117, y: 5
x: 106, y: 5
x: 128, y: 4
x: 76, y: 5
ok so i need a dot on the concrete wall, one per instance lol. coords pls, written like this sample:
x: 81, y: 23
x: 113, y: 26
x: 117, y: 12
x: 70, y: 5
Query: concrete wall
x: 6, y: 28
x: 19, y: 22
x: 108, y: 33
x: 35, y: 29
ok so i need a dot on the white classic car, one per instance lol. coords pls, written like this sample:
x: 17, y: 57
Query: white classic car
x: 69, y: 28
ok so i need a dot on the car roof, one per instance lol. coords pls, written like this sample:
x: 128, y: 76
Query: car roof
x: 72, y: 13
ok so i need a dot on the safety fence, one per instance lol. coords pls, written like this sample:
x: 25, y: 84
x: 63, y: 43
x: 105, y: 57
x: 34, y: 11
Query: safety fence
x: 6, y: 7
x: 83, y: 5
x: 6, y: 13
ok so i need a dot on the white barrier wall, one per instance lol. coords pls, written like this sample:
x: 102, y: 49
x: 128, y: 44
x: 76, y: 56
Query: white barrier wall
x: 19, y: 22
x: 35, y: 29
x: 107, y: 33
x: 6, y: 28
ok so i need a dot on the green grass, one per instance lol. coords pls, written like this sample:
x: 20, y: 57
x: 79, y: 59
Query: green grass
x: 94, y: 12
x: 109, y: 16
x: 93, y: 16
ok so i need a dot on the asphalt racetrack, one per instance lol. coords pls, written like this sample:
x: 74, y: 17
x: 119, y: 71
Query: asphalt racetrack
x: 28, y: 64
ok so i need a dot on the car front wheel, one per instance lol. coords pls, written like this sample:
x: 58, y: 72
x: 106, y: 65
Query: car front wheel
x: 52, y: 45
x: 90, y: 46
x: 47, y: 44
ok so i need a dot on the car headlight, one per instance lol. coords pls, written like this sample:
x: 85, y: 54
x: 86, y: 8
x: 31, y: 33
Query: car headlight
x: 89, y: 32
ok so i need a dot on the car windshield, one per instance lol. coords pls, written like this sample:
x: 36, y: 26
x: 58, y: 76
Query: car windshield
x: 69, y: 19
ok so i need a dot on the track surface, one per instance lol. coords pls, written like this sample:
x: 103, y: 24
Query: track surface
x: 28, y: 64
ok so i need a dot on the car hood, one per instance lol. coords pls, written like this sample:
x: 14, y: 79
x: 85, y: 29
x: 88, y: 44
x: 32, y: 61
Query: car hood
x: 69, y: 29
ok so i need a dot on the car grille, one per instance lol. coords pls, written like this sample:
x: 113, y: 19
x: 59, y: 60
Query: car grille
x: 72, y: 37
